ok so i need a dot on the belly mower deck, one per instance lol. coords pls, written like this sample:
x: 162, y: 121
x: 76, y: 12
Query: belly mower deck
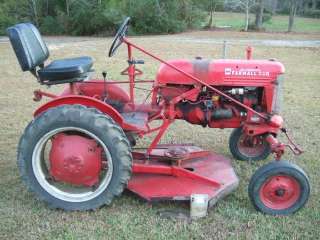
x: 174, y: 172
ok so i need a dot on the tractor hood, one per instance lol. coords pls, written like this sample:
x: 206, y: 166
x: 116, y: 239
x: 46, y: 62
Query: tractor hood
x: 224, y: 71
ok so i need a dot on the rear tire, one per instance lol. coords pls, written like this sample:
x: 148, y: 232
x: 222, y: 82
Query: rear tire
x: 93, y: 122
x: 279, y: 188
x: 242, y: 151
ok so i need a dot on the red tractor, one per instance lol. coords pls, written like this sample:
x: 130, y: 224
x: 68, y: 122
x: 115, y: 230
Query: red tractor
x: 77, y: 153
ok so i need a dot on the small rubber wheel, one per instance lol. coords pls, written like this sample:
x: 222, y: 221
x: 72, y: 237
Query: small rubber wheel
x: 248, y: 148
x: 279, y: 188
x: 99, y: 139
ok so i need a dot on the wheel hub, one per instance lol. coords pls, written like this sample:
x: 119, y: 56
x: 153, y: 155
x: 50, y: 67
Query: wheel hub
x: 75, y: 160
x: 251, y: 146
x: 73, y: 164
x: 280, y: 192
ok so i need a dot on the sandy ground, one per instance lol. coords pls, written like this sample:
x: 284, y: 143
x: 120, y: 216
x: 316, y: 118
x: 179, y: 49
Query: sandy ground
x: 210, y: 37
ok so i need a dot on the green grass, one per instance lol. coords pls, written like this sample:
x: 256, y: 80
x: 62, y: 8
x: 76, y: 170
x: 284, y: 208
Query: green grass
x: 24, y: 217
x: 278, y: 23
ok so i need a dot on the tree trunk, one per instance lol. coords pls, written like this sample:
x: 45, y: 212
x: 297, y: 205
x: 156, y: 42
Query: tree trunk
x: 293, y: 10
x: 247, y: 17
x: 47, y: 7
x: 158, y: 7
x: 68, y: 8
x: 314, y: 4
x: 184, y: 9
x: 300, y: 6
x: 305, y: 6
x: 33, y: 6
x: 210, y: 20
x: 212, y: 10
x: 259, y: 15
x: 274, y: 6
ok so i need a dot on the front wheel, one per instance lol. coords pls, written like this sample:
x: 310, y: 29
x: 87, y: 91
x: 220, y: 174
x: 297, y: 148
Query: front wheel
x: 248, y: 148
x: 74, y: 158
x: 279, y: 188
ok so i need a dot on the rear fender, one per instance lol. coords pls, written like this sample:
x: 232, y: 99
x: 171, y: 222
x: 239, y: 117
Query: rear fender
x: 85, y: 101
x: 96, y: 88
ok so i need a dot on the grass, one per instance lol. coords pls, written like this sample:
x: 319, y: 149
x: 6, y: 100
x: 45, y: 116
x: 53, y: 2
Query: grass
x: 24, y: 217
x: 278, y: 23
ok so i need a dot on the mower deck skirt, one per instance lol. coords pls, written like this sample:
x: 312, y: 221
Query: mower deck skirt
x: 161, y: 179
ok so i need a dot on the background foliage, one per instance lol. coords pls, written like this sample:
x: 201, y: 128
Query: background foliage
x: 87, y: 17
x: 100, y: 17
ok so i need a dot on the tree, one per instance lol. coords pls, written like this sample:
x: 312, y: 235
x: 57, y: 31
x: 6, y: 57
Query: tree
x: 34, y: 11
x: 87, y: 17
x: 244, y: 5
x: 274, y: 6
x: 292, y: 13
x: 259, y: 15
x: 210, y: 7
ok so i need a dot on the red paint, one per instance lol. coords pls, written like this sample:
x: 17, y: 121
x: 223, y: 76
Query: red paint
x: 196, y: 80
x: 276, y: 146
x: 75, y: 160
x: 85, y: 101
x: 276, y: 121
x: 258, y: 129
x: 216, y: 72
x: 96, y: 88
x: 249, y: 53
x: 251, y: 146
x: 280, y: 192
x: 38, y: 94
x: 193, y: 90
x: 210, y: 174
x: 178, y: 93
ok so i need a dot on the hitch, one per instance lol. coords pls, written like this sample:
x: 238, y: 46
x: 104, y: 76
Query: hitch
x: 293, y: 147
x: 38, y: 94
x: 278, y: 147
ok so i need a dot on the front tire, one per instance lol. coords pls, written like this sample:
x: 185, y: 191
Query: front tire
x: 279, y: 188
x: 247, y: 148
x: 76, y: 120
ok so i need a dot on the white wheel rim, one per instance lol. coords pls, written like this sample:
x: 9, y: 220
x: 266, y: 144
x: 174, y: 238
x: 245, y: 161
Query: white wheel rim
x: 40, y: 175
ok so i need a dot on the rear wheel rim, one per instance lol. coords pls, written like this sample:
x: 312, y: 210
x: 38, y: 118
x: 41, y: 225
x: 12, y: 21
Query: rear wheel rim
x: 41, y: 173
x: 251, y: 147
x: 280, y: 192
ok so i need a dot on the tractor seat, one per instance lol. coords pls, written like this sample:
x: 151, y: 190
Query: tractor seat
x: 32, y: 53
x: 68, y: 68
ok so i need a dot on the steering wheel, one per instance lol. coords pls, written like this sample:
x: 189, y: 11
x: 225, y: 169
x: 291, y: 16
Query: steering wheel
x: 118, y: 39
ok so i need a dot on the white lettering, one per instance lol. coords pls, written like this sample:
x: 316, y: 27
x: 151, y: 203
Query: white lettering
x: 245, y: 72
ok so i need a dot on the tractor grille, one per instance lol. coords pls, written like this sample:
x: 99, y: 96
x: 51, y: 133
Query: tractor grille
x: 278, y: 96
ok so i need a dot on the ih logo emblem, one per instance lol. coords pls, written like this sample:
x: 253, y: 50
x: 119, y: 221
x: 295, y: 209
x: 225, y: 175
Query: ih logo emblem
x: 245, y: 72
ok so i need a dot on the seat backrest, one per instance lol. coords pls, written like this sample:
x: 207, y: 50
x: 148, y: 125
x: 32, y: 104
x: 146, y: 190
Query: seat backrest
x: 28, y: 45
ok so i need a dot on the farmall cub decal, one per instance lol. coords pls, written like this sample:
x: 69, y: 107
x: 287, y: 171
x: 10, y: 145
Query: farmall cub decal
x: 251, y: 72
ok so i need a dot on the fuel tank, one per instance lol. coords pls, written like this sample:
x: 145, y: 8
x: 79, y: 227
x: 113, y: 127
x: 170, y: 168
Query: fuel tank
x: 229, y: 72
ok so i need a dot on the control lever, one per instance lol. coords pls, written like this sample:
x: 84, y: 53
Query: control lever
x: 104, y: 75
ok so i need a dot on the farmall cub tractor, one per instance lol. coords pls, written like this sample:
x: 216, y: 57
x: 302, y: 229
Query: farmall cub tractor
x: 76, y: 154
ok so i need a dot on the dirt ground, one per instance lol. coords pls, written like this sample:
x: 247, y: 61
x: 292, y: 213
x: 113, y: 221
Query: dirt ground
x: 24, y: 217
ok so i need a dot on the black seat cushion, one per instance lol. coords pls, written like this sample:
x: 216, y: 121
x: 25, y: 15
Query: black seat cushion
x: 69, y: 68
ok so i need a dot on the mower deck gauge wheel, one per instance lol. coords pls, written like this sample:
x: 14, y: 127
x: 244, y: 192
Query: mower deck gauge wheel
x: 279, y: 188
